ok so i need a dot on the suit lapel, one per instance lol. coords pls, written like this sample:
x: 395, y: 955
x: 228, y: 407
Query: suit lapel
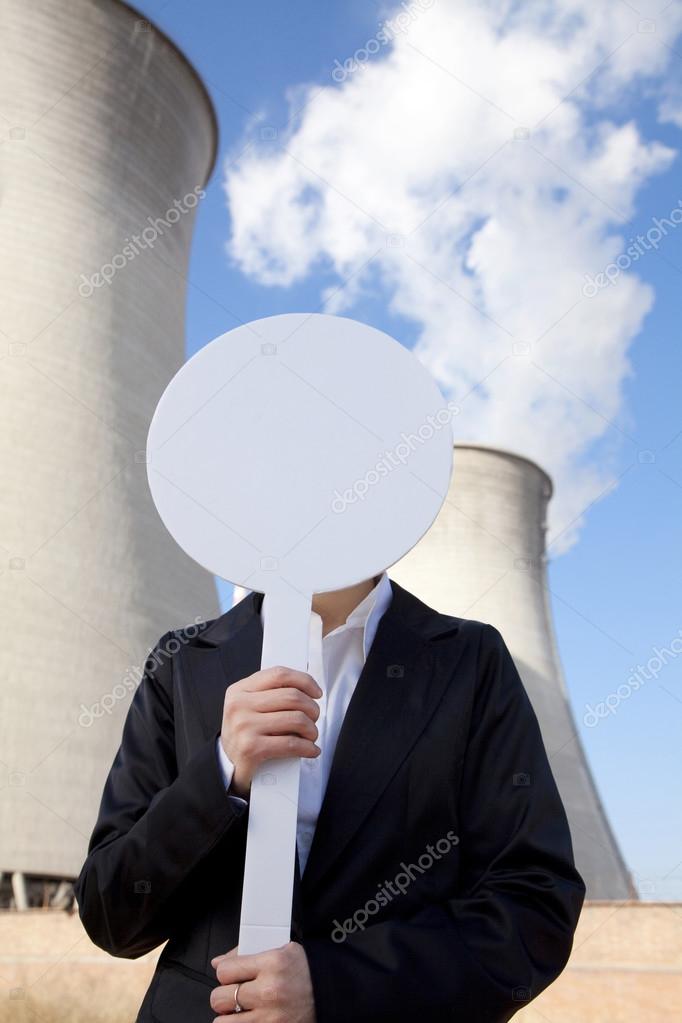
x: 396, y: 694
x: 229, y: 650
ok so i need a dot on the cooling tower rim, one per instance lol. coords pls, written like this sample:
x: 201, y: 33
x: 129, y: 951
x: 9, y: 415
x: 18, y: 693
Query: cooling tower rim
x: 506, y: 453
x: 193, y: 74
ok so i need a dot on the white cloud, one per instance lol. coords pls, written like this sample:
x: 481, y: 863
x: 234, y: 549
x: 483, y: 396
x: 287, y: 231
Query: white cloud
x: 478, y: 160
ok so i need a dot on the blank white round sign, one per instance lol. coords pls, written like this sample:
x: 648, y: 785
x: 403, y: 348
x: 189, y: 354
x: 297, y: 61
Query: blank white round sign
x: 309, y: 449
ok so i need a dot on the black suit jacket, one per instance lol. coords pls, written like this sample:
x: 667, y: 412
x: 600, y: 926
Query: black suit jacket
x: 440, y: 884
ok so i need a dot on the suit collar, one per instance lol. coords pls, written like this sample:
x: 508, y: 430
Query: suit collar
x: 224, y: 629
x: 414, y: 614
x: 399, y: 689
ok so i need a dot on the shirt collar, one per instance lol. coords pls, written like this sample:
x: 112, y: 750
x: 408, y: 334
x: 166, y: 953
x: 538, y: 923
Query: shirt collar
x: 368, y: 612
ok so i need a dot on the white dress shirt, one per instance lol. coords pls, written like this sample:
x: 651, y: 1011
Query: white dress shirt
x: 335, y: 662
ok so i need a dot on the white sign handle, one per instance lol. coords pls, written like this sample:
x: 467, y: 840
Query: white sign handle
x: 265, y: 921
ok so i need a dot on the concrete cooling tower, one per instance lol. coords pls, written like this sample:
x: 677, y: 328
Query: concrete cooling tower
x: 484, y: 558
x: 107, y: 139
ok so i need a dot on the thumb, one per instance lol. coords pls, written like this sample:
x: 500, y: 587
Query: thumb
x: 217, y: 959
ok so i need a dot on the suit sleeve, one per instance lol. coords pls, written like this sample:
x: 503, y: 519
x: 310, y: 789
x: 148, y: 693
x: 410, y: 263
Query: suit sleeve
x: 155, y: 824
x: 507, y: 931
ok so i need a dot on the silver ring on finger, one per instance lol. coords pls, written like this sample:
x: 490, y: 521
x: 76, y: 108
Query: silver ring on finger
x: 237, y: 1006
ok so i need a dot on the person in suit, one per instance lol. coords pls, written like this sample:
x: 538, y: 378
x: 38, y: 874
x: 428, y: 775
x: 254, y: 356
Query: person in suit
x: 434, y: 873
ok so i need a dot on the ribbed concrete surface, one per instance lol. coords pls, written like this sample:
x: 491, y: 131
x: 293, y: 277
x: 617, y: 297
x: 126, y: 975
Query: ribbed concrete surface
x: 103, y: 125
x: 484, y: 558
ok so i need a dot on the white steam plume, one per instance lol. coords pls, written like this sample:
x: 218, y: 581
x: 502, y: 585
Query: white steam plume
x: 471, y: 166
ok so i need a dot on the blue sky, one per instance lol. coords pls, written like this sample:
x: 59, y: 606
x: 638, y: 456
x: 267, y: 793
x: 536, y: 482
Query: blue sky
x: 616, y: 590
